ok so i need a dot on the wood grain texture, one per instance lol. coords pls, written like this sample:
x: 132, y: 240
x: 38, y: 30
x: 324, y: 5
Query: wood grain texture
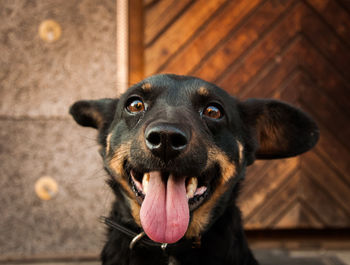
x: 161, y: 15
x: 334, y: 15
x: 293, y: 50
x: 178, y: 33
x: 220, y: 27
x: 235, y: 47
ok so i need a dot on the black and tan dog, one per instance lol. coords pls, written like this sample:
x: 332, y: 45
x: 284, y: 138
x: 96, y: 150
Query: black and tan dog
x: 176, y: 149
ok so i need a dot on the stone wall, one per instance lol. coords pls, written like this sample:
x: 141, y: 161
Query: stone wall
x: 39, y: 79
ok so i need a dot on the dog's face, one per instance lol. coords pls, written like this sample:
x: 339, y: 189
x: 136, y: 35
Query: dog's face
x: 176, y: 145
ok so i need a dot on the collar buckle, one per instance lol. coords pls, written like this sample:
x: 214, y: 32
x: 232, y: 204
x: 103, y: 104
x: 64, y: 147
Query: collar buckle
x: 136, y: 239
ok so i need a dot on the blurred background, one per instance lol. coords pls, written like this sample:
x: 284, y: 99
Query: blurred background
x: 55, y: 52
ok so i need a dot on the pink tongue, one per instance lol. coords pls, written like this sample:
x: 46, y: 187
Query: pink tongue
x: 164, y: 212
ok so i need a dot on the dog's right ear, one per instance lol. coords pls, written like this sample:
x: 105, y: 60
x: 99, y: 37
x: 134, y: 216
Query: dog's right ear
x: 98, y: 114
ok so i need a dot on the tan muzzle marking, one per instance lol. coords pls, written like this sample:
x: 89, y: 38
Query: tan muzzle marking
x: 202, y: 215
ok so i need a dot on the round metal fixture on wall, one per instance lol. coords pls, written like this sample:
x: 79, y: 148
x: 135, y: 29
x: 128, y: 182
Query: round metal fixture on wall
x: 46, y: 188
x: 50, y: 30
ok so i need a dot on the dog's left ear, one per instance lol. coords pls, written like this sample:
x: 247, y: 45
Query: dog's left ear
x: 98, y: 114
x: 280, y: 129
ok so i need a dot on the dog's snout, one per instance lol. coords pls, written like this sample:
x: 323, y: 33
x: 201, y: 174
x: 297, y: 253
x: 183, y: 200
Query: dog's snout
x: 166, y: 140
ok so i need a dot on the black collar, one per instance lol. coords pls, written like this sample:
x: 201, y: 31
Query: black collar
x: 142, y: 239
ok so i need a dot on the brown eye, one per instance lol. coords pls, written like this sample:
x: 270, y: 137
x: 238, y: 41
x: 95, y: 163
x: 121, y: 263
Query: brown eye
x: 135, y: 105
x: 212, y: 112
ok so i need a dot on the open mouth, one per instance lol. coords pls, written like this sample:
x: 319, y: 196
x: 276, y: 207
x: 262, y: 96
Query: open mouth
x: 167, y: 201
x: 196, y: 192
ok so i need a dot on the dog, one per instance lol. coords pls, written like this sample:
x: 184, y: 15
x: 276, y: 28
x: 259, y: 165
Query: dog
x: 176, y: 149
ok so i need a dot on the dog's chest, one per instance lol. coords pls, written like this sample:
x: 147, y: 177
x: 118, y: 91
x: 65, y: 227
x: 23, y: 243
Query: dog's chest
x: 173, y: 261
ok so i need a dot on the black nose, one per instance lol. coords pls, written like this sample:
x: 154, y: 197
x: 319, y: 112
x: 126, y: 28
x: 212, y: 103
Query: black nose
x: 166, y: 140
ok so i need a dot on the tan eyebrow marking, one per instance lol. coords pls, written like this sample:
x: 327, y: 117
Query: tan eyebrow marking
x: 203, y: 91
x: 146, y: 87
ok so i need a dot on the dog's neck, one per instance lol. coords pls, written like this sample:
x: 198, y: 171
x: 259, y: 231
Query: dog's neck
x: 137, y: 238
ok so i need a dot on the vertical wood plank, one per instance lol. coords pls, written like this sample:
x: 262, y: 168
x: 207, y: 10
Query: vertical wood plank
x: 136, y: 40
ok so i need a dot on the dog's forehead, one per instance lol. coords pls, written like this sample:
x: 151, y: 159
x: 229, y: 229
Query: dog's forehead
x: 176, y: 86
x: 171, y: 80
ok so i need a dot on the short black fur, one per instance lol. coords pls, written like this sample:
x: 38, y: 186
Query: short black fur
x: 201, y: 132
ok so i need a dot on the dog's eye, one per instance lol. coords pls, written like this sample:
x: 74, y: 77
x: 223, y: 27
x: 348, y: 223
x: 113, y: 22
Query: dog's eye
x: 135, y: 105
x: 213, y: 112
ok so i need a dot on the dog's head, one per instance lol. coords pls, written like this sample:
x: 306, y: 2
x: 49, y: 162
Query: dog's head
x: 176, y: 145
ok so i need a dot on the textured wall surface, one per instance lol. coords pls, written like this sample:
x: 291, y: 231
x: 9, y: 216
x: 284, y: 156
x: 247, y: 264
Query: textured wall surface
x: 38, y: 82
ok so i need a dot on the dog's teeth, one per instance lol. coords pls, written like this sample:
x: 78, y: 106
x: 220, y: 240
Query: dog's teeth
x: 145, y: 181
x: 200, y: 191
x: 191, y: 187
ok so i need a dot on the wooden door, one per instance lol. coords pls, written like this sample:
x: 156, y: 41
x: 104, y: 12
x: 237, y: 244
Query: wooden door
x: 297, y: 51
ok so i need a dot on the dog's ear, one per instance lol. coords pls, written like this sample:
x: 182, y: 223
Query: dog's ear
x: 98, y: 114
x: 280, y: 129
